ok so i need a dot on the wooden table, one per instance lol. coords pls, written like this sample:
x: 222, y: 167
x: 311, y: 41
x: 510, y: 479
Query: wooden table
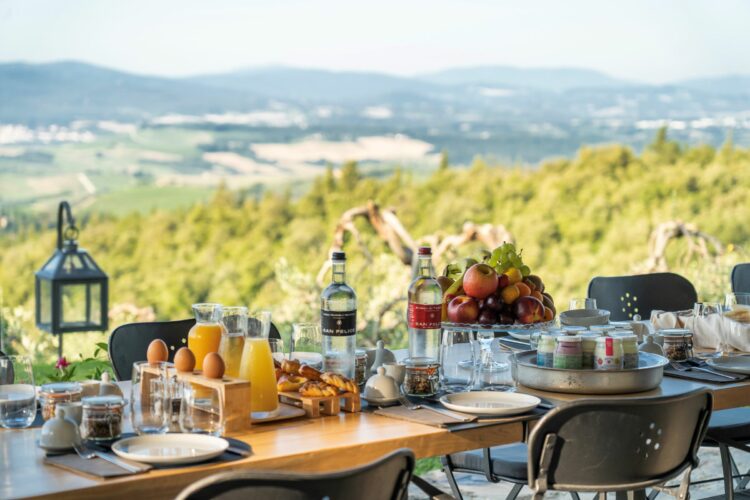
x: 323, y: 444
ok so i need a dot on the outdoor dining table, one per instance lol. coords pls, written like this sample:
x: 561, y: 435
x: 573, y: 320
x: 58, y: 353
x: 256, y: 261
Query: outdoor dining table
x: 310, y: 445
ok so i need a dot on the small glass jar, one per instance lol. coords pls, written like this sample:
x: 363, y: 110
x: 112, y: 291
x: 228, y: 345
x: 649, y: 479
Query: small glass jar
x: 545, y: 350
x: 588, y: 346
x: 608, y: 354
x: 58, y: 392
x: 629, y: 350
x: 360, y: 367
x: 102, y: 418
x: 422, y: 376
x: 568, y: 353
x: 678, y: 344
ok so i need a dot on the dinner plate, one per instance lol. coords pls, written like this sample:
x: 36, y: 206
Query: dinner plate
x: 161, y: 449
x: 733, y: 364
x: 490, y: 403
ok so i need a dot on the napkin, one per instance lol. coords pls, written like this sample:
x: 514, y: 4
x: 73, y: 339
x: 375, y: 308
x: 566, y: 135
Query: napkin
x: 708, y: 331
x: 94, y: 467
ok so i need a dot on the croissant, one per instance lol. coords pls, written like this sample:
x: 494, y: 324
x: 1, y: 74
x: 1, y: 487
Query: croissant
x: 290, y: 383
x: 290, y: 366
x: 279, y: 373
x: 317, y: 390
x: 340, y: 382
x: 309, y: 372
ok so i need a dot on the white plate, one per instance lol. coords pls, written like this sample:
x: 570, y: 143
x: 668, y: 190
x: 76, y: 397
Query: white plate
x: 170, y: 448
x: 733, y: 364
x: 490, y: 402
x: 520, y: 335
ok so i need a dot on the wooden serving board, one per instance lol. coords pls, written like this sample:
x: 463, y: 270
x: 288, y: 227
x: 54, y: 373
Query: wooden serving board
x: 327, y: 405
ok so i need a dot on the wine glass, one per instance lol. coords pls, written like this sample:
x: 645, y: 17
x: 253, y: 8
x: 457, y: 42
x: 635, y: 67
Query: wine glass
x: 457, y: 361
x: 149, y: 405
x: 201, y: 410
x: 582, y: 303
x: 307, y: 344
x: 17, y: 392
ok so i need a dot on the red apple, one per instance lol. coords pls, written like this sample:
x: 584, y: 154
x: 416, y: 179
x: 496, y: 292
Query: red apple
x: 528, y: 310
x: 480, y: 281
x: 463, y: 309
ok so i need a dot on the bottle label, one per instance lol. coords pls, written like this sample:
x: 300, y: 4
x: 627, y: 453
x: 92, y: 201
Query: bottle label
x: 338, y: 323
x: 425, y: 317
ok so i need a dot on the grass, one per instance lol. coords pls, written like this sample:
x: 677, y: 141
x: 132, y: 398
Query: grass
x: 425, y: 465
x: 146, y: 198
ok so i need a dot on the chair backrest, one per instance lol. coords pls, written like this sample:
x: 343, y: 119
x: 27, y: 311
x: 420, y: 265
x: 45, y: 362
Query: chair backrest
x: 385, y: 479
x: 129, y: 343
x: 741, y: 278
x: 625, y: 296
x: 617, y: 444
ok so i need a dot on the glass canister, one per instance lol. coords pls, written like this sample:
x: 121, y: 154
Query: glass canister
x: 545, y: 350
x: 678, y: 343
x: 629, y: 349
x: 422, y: 376
x: 234, y: 320
x: 608, y: 354
x: 205, y: 335
x: 360, y: 367
x: 588, y: 346
x: 568, y: 353
x: 102, y: 418
x: 58, y: 392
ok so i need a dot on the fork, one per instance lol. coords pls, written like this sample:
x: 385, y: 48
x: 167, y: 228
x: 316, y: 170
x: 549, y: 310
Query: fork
x: 409, y: 405
x: 681, y: 368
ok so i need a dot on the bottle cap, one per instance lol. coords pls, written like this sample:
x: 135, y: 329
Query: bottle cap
x: 338, y: 256
x: 425, y: 251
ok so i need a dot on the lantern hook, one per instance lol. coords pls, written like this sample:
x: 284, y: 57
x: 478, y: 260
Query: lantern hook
x: 71, y: 231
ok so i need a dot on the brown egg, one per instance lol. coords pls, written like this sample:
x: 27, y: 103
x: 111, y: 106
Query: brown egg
x: 157, y: 351
x: 184, y: 360
x: 213, y: 365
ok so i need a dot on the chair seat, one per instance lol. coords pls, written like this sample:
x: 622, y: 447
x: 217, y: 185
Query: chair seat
x: 508, y: 461
x: 731, y: 424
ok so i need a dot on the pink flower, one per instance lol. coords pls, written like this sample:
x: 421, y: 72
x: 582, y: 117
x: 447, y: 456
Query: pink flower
x: 62, y: 363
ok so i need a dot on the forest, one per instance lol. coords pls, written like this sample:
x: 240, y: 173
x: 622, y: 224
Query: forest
x: 575, y: 218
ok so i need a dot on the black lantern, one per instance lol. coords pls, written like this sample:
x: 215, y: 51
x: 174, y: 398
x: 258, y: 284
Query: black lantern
x: 71, y: 289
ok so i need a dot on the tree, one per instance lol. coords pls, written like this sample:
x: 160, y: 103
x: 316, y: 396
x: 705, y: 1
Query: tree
x: 349, y: 176
x: 444, y: 160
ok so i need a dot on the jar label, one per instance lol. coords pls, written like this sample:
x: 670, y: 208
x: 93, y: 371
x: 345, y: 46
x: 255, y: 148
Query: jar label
x: 338, y: 323
x: 425, y: 317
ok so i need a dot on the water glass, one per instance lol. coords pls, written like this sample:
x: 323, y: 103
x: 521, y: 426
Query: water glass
x: 201, y: 410
x: 582, y: 303
x: 17, y: 392
x: 277, y: 349
x: 149, y: 402
x: 307, y: 344
x: 457, y: 361
x: 703, y: 309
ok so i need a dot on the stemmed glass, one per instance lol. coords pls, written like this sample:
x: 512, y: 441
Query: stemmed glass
x: 307, y: 344
x: 17, y: 392
x: 149, y: 402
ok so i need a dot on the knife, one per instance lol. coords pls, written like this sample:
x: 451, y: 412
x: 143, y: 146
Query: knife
x: 128, y: 465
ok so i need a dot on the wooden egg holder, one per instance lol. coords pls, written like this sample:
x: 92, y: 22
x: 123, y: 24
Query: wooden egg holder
x: 325, y: 405
x: 234, y: 394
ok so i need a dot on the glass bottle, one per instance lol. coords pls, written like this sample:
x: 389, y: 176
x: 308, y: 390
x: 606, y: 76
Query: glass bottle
x: 338, y: 320
x: 205, y: 335
x: 234, y: 320
x: 424, y: 309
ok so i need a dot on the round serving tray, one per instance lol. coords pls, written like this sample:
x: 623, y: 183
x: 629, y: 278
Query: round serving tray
x: 447, y: 325
x: 647, y: 376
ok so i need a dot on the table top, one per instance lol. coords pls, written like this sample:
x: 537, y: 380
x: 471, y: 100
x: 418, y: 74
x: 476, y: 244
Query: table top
x: 313, y: 445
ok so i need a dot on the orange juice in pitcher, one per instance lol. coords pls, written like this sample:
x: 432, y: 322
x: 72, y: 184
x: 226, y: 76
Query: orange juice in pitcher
x: 257, y: 367
x: 205, y: 335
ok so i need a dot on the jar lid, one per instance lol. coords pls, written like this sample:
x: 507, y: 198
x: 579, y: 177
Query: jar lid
x: 589, y: 335
x: 625, y: 336
x: 420, y: 362
x: 360, y: 353
x: 573, y: 339
x: 103, y: 402
x: 61, y: 388
x: 602, y: 328
x: 573, y: 329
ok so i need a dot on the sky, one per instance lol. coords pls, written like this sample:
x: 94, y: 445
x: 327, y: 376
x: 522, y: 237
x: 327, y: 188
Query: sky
x: 641, y: 40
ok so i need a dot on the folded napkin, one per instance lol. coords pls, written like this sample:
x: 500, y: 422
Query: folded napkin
x: 702, y: 376
x: 94, y: 467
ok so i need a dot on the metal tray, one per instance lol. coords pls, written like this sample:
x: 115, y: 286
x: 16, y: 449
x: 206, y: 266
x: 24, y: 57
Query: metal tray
x: 647, y: 376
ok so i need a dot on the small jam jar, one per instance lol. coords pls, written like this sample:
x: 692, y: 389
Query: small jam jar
x: 568, y: 353
x: 58, y: 392
x: 678, y: 343
x: 629, y: 349
x: 422, y: 376
x: 588, y: 346
x: 545, y: 350
x: 608, y: 354
x: 102, y: 418
x: 360, y: 367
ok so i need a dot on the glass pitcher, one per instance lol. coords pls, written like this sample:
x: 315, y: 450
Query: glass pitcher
x: 234, y: 320
x: 257, y: 367
x: 205, y: 335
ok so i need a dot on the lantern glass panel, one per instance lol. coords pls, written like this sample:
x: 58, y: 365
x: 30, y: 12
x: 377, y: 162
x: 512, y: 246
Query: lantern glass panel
x: 45, y: 302
x: 95, y: 314
x: 75, y: 306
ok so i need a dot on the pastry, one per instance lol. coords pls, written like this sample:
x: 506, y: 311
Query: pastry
x: 309, y: 372
x: 340, y: 382
x: 279, y: 373
x: 290, y: 366
x: 290, y: 383
x: 317, y: 390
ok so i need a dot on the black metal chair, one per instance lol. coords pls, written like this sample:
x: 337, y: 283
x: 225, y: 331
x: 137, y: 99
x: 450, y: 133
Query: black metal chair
x: 741, y: 278
x: 129, y: 343
x: 616, y: 445
x: 384, y: 479
x: 626, y: 296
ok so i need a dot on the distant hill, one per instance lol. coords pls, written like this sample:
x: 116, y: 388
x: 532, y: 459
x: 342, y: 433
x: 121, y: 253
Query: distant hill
x: 550, y: 79
x: 730, y: 84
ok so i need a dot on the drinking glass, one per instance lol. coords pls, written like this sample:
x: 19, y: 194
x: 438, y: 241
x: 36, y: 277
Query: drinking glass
x: 17, y: 392
x: 201, y: 410
x: 703, y: 309
x: 582, y: 303
x: 277, y: 349
x: 736, y: 301
x: 234, y: 320
x: 257, y: 367
x: 149, y: 405
x: 457, y: 361
x: 205, y: 335
x: 307, y: 344
x: 489, y: 378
